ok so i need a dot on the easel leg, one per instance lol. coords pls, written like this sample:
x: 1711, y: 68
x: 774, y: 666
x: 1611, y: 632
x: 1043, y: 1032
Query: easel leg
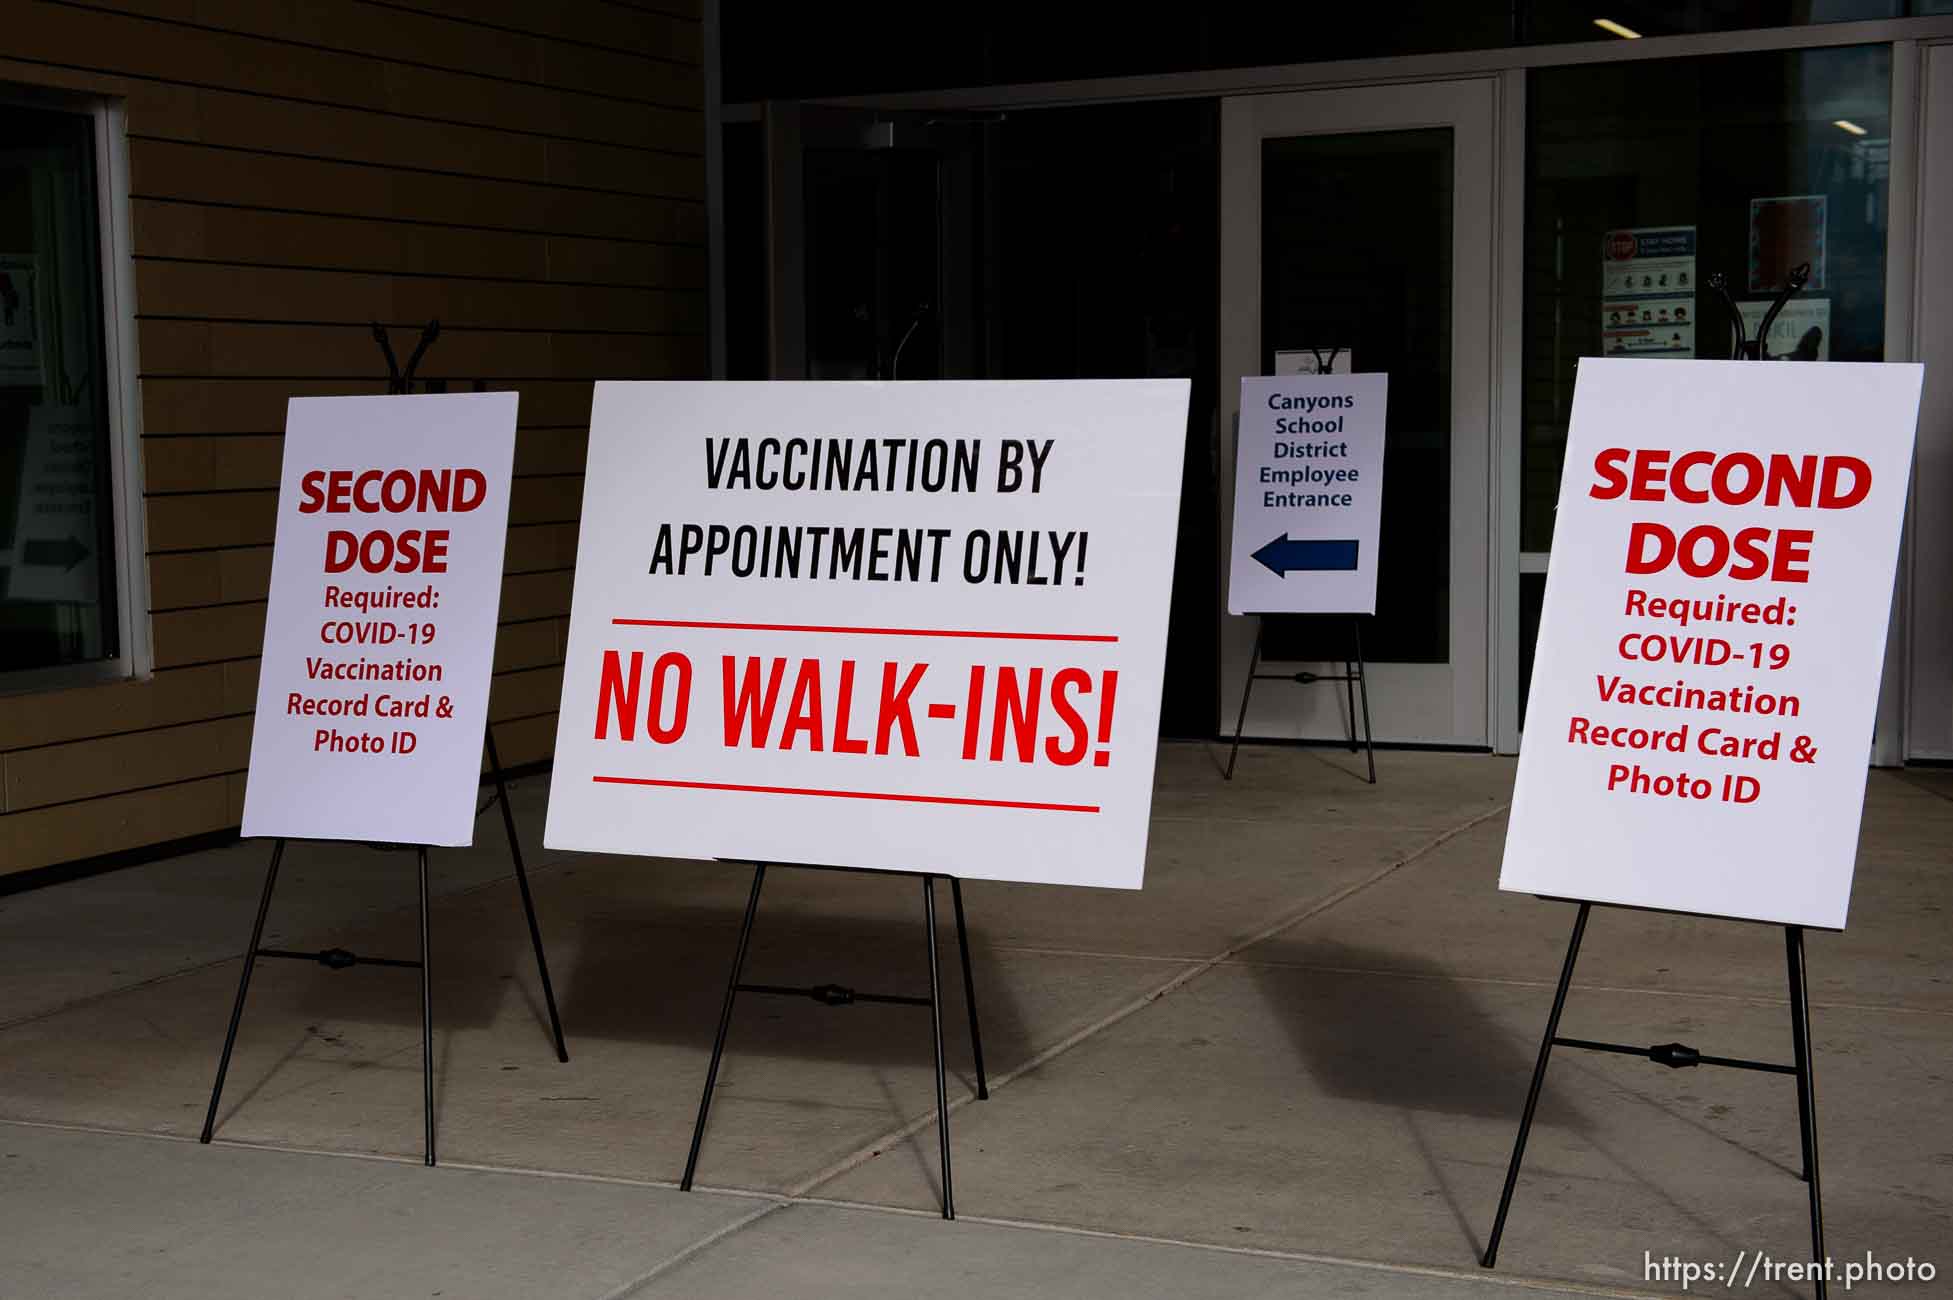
x: 936, y: 1024
x: 426, y: 1019
x: 725, y: 1023
x: 528, y: 902
x: 1247, y: 689
x: 1363, y: 688
x: 1539, y: 1077
x: 243, y: 987
x: 1800, y: 1033
x: 969, y: 989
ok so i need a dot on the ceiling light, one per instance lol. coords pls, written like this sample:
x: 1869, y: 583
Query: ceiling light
x: 1852, y: 127
x: 1609, y: 25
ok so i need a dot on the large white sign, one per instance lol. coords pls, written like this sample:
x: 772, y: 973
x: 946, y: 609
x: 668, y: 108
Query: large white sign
x: 912, y: 626
x: 1308, y: 491
x: 373, y: 693
x: 1709, y: 654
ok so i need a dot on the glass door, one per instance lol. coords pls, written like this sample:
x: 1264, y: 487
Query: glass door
x: 873, y: 244
x: 1357, y: 234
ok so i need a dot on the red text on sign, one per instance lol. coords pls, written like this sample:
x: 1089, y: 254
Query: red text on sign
x: 1009, y: 714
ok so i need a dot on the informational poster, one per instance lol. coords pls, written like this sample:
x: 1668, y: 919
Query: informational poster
x: 1315, y: 361
x: 20, y: 333
x: 54, y: 554
x: 380, y: 636
x: 905, y: 626
x: 1785, y: 233
x: 1801, y: 332
x: 1647, y: 291
x: 1713, y: 634
x: 1308, y: 494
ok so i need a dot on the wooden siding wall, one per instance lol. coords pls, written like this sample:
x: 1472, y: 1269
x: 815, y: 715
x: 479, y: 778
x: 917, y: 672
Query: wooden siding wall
x: 530, y: 173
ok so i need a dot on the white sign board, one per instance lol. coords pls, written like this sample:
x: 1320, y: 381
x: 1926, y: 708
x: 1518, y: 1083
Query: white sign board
x: 1713, y: 635
x: 907, y: 626
x: 1308, y: 492
x: 380, y: 636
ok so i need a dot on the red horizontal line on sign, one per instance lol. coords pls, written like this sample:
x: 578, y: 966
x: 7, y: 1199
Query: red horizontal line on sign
x: 848, y: 794
x: 861, y: 631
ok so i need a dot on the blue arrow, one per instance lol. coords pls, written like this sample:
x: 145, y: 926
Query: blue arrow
x: 1284, y: 556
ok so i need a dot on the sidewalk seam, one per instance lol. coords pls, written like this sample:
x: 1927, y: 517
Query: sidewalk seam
x: 699, y: 1247
x: 1193, y: 971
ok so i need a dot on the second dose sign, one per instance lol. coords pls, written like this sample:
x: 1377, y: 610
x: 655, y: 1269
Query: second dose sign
x: 385, y: 580
x: 1713, y: 635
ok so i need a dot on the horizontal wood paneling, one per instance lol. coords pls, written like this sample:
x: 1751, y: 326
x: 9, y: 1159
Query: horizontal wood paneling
x: 208, y: 173
x: 233, y: 350
x: 52, y: 31
x: 110, y: 764
x: 530, y: 175
x: 250, y: 236
x: 108, y: 825
x: 398, y: 35
x: 187, y: 404
x: 642, y: 28
x: 193, y: 463
x: 524, y: 740
x: 212, y: 291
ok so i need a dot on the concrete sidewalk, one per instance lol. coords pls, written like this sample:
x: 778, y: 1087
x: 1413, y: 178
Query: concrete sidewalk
x: 1291, y: 1065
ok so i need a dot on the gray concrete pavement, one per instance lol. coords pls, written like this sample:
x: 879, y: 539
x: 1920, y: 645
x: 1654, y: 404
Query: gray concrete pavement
x: 1291, y: 1065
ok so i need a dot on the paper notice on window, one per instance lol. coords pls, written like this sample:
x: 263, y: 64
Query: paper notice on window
x: 1647, y: 291
x: 20, y: 339
x: 1784, y: 234
x: 1801, y: 332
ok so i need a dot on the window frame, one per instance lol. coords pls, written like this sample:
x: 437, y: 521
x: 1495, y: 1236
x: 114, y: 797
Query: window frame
x: 134, y: 656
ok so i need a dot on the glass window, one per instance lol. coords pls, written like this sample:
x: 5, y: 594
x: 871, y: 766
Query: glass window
x: 58, y: 598
x: 1356, y: 275
x: 1552, y: 21
x: 775, y: 51
x: 1647, y: 178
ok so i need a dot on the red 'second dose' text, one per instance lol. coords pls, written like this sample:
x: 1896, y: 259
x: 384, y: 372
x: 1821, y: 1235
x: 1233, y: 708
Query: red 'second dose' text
x: 390, y: 491
x: 1736, y: 478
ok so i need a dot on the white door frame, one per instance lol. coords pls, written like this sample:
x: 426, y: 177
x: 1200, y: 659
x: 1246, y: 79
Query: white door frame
x: 1449, y: 708
x: 1916, y: 706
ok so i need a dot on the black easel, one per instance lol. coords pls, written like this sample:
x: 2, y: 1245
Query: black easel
x: 339, y: 958
x: 1744, y: 348
x: 1679, y: 1056
x: 834, y: 995
x: 1355, y: 678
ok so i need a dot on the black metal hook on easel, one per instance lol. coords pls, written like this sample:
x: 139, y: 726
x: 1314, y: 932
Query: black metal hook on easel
x: 1800, y: 275
x: 1758, y: 349
x: 398, y: 382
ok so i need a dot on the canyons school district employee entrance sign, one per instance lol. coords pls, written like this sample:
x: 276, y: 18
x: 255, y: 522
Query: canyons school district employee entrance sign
x: 909, y: 626
x: 1308, y: 495
x: 385, y: 579
x: 1710, y: 649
